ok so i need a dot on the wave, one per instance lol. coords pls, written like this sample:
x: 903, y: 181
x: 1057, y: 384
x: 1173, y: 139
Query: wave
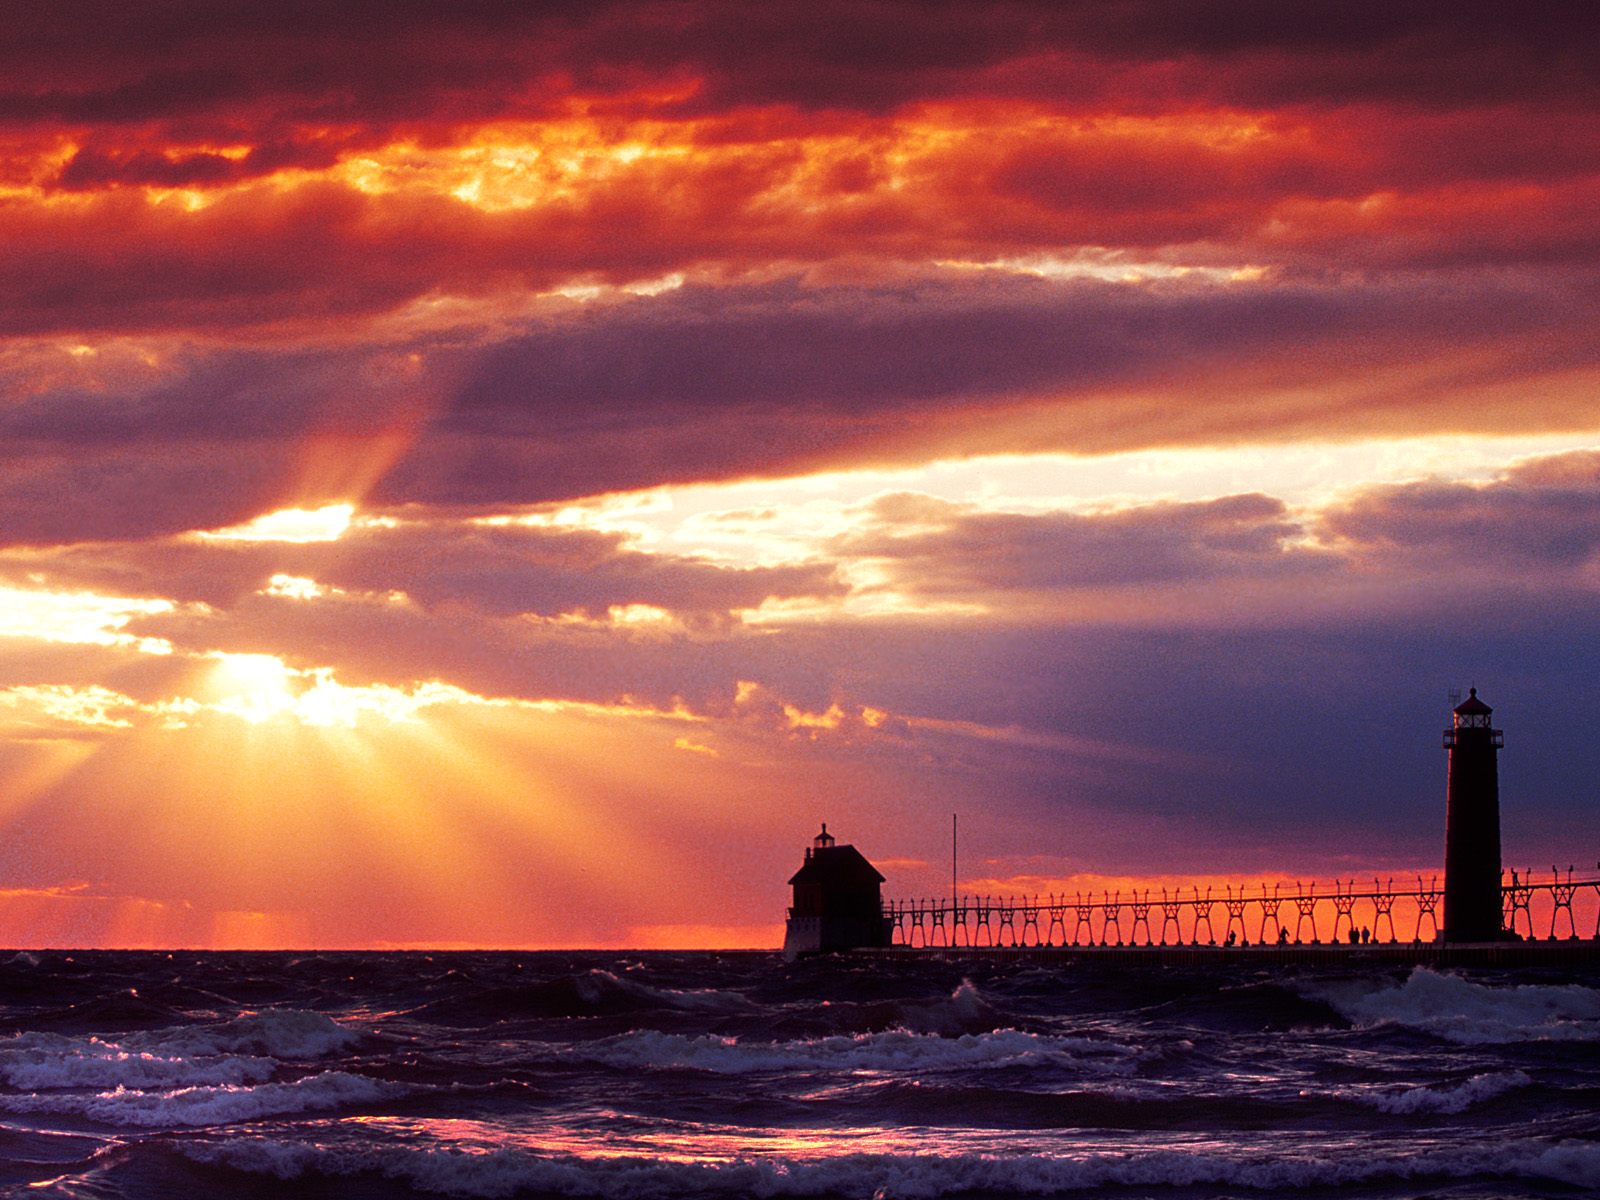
x: 244, y: 1050
x: 1252, y: 1007
x: 220, y: 1105
x: 965, y: 1010
x: 596, y: 992
x: 505, y: 1172
x: 1110, y: 1103
x: 285, y: 1033
x: 44, y: 1061
x: 122, y: 1010
x: 1471, y: 1014
x: 1450, y: 1098
x: 183, y: 1075
x: 894, y: 1050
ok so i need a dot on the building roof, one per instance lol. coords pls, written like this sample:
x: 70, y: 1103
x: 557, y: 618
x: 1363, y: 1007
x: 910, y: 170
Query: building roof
x: 836, y: 865
x: 1472, y: 706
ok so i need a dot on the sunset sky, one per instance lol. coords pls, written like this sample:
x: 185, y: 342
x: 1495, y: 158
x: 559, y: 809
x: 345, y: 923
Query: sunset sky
x: 488, y: 473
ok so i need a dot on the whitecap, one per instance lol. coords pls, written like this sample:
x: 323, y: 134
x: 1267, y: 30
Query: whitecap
x: 1469, y: 1013
x: 244, y: 1050
x: 196, y: 1106
x: 43, y: 1061
x: 1446, y: 1098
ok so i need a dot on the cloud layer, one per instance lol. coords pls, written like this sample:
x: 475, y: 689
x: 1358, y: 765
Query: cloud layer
x: 496, y: 297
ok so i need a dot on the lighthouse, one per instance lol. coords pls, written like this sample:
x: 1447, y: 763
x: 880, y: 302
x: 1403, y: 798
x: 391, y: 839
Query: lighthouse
x: 1472, y: 906
x: 838, y: 902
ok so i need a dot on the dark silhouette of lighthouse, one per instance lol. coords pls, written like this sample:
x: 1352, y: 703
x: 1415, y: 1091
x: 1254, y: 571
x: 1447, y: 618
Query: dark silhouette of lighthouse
x: 1472, y: 906
x: 838, y: 901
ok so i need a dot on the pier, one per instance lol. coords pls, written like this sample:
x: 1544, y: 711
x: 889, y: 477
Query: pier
x: 1299, y: 921
x: 1478, y: 914
x: 1583, y: 954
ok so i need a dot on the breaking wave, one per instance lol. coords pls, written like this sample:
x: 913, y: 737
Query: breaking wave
x: 196, y: 1106
x: 1454, y: 1098
x: 1472, y: 1014
x: 44, y: 1061
x: 244, y: 1050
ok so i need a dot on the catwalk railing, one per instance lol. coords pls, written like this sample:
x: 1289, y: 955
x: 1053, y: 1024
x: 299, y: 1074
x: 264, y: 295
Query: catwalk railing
x: 1560, y: 905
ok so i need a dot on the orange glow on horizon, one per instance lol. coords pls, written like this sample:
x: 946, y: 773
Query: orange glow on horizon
x: 287, y: 833
x: 705, y: 937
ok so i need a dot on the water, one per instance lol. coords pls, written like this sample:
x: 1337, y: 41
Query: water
x: 733, y: 1075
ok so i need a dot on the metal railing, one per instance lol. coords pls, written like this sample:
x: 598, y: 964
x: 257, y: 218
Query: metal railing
x: 1348, y: 912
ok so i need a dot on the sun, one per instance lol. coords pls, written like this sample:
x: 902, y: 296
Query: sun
x: 253, y: 687
x: 258, y: 688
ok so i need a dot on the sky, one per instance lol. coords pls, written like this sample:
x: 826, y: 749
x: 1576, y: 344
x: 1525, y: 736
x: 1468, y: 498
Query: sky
x: 491, y: 474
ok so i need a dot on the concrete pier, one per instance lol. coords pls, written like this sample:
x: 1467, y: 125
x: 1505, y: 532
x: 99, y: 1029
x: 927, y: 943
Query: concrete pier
x: 1555, y: 954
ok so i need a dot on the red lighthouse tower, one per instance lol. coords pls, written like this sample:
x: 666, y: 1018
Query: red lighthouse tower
x: 1472, y: 906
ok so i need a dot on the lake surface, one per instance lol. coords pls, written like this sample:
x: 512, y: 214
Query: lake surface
x: 732, y: 1075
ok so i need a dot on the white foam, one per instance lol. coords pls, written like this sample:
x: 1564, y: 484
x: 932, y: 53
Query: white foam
x: 42, y: 1061
x: 893, y: 1050
x: 1468, y: 1013
x: 1445, y: 1099
x: 195, y: 1106
x: 244, y: 1050
x: 961, y: 1010
x: 490, y: 1173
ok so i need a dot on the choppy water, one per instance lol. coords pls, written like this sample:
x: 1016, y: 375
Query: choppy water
x: 705, y: 1075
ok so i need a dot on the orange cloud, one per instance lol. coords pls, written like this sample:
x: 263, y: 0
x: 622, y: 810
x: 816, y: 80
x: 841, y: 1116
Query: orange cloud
x: 330, y: 384
x: 569, y: 201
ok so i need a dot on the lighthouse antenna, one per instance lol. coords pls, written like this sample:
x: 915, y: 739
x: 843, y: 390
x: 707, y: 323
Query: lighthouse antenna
x: 955, y: 899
